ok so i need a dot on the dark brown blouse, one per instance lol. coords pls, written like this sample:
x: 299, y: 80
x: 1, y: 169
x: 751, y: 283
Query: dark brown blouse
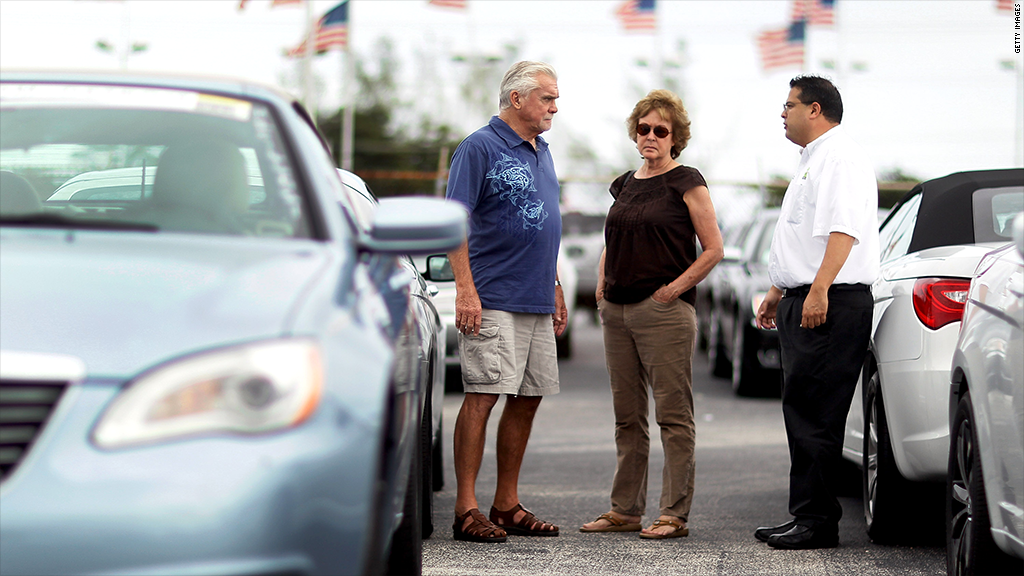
x: 649, y: 237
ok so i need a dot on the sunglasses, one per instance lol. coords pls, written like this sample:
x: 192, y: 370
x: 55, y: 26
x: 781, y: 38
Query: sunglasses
x: 645, y: 129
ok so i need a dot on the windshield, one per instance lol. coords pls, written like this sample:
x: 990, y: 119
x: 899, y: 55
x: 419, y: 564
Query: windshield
x: 116, y: 157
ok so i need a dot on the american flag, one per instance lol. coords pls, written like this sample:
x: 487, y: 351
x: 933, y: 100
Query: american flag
x: 782, y: 46
x: 814, y: 12
x: 637, y: 15
x: 457, y: 4
x: 331, y: 32
x: 242, y: 3
x: 1004, y: 5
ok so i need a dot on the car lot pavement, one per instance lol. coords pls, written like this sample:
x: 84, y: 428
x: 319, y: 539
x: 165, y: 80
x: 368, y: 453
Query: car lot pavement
x: 742, y: 464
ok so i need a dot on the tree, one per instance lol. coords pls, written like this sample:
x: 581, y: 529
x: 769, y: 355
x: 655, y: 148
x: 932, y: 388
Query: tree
x: 385, y: 155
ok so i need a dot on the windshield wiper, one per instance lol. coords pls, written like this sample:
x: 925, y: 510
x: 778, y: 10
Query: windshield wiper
x: 58, y: 221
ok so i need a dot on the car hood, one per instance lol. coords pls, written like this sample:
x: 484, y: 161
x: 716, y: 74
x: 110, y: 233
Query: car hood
x: 122, y: 302
x: 946, y: 261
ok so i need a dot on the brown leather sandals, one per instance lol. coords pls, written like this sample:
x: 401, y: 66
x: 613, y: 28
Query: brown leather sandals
x: 528, y: 525
x: 479, y: 530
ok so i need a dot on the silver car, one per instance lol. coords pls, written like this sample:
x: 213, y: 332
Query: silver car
x: 985, y: 481
x: 898, y: 426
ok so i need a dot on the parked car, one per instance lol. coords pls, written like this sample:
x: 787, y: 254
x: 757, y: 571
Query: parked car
x: 898, y: 426
x: 136, y: 183
x: 438, y: 273
x: 737, y: 348
x: 200, y: 380
x: 361, y: 204
x: 985, y: 476
x: 583, y: 242
x: 732, y: 239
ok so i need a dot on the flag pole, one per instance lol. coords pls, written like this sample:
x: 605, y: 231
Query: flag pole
x: 840, y: 60
x: 659, y: 79
x: 348, y: 113
x: 307, y: 61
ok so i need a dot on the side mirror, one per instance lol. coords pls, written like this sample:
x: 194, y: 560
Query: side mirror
x: 439, y: 269
x: 416, y: 225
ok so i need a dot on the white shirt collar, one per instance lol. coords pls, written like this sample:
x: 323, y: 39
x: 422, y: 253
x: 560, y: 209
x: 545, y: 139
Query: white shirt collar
x: 817, y: 142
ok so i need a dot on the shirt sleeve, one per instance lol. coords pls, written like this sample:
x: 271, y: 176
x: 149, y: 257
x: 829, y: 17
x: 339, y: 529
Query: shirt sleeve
x: 466, y: 177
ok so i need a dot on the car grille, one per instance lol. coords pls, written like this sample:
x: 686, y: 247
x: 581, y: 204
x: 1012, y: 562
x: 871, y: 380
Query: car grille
x: 25, y: 407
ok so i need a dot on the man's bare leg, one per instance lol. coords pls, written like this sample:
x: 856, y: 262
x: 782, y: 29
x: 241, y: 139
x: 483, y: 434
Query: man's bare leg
x: 468, y: 443
x: 513, y: 435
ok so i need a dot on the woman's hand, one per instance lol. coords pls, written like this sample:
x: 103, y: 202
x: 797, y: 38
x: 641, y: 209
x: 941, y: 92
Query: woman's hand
x: 665, y: 294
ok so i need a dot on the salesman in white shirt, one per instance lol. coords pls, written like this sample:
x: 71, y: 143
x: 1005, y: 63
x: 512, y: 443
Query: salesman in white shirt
x: 824, y: 258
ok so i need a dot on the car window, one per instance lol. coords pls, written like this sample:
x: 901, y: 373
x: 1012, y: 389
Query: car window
x: 994, y: 210
x: 895, y: 236
x: 764, y: 243
x: 359, y: 207
x: 173, y: 160
x: 735, y: 234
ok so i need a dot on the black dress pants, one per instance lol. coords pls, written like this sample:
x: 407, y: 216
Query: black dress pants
x: 820, y: 370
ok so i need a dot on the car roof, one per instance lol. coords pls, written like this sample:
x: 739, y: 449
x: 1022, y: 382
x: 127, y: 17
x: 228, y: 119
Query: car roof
x: 218, y: 84
x: 946, y: 215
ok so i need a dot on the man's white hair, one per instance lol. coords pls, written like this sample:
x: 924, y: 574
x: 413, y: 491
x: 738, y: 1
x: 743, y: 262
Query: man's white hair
x: 522, y: 77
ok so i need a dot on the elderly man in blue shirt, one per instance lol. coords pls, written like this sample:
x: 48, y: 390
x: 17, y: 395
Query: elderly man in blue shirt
x: 509, y: 304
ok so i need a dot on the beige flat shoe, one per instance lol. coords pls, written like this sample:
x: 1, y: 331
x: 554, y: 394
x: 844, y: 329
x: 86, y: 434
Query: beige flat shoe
x: 679, y: 531
x: 617, y: 525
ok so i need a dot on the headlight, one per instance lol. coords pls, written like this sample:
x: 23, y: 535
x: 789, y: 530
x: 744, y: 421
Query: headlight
x: 247, y: 389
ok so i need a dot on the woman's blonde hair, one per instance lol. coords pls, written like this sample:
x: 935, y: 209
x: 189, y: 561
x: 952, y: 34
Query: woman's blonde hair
x: 670, y: 107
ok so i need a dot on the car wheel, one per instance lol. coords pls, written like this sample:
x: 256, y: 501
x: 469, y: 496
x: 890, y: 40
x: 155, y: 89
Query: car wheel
x: 886, y: 492
x: 703, y: 324
x: 969, y: 545
x: 718, y: 358
x: 406, y: 553
x: 746, y: 373
x: 426, y: 455
x: 563, y: 344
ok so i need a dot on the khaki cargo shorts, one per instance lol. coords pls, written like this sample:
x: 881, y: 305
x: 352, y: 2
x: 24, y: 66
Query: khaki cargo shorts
x: 514, y: 353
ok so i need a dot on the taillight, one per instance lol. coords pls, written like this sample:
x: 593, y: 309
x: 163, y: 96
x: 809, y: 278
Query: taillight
x: 939, y: 301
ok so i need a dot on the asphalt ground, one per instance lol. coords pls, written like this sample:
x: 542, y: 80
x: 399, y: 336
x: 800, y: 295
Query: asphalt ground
x: 742, y: 466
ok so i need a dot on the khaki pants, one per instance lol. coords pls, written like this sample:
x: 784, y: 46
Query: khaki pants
x: 649, y: 344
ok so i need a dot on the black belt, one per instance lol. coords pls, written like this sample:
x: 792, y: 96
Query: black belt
x: 803, y: 290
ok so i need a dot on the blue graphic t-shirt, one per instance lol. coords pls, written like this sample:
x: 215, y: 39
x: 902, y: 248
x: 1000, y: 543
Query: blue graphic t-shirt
x: 512, y: 193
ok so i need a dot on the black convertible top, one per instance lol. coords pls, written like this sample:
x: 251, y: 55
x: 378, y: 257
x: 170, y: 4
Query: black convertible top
x: 946, y: 215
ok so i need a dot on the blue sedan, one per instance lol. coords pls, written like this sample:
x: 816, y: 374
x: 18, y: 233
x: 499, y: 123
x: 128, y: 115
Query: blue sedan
x: 214, y: 370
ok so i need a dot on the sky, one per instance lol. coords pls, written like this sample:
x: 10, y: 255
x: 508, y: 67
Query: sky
x: 929, y: 87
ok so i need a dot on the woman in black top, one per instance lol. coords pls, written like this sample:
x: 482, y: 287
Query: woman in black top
x: 646, y: 295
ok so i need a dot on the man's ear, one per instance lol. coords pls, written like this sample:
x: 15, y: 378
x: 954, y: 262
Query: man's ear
x: 515, y: 99
x: 815, y: 109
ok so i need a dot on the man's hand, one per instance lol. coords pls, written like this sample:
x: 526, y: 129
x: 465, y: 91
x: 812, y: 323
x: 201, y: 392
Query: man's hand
x: 766, y: 311
x: 816, y: 303
x: 468, y: 312
x: 560, y: 318
x: 815, y: 308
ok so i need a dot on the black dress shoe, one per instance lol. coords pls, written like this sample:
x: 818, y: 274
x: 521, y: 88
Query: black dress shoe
x: 805, y: 538
x: 764, y: 532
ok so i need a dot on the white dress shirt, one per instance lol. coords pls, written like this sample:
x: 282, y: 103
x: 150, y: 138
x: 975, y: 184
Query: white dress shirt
x: 834, y: 190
